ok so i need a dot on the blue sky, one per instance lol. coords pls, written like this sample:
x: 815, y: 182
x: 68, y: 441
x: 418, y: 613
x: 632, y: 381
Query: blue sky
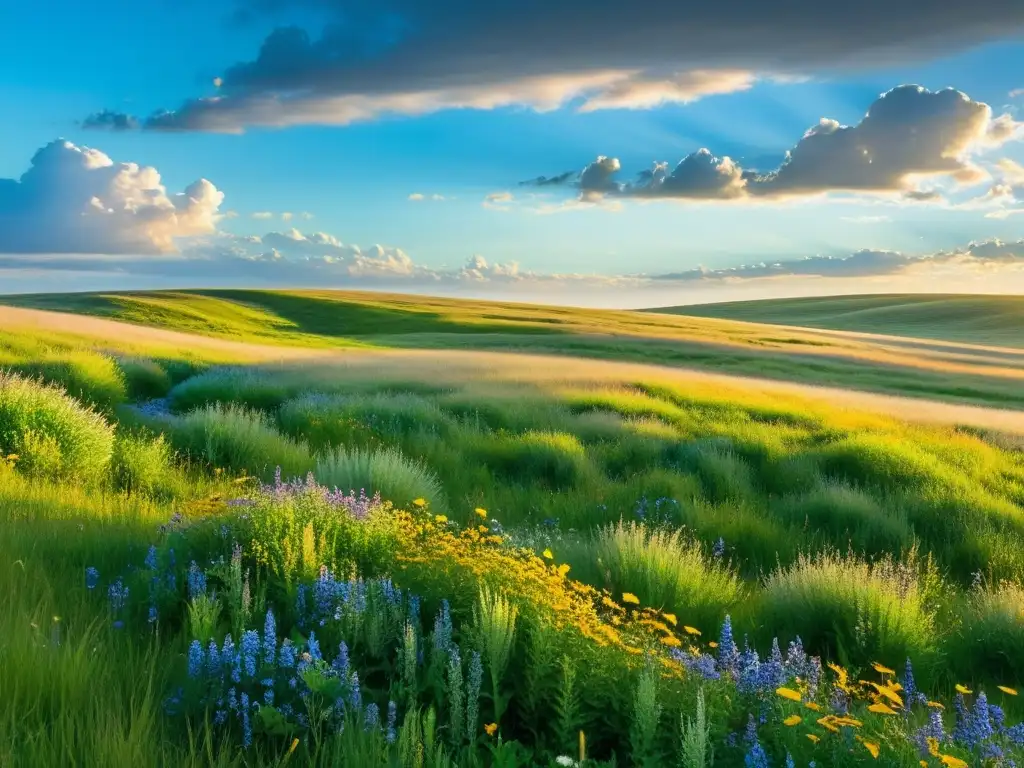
x: 379, y: 102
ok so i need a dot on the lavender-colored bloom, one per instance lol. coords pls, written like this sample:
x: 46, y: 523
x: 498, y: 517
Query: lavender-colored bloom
x: 269, y: 638
x: 909, y: 688
x: 789, y: 761
x: 213, y: 660
x: 718, y: 551
x: 392, y: 733
x: 286, y: 659
x: 340, y: 662
x: 703, y: 664
x: 153, y: 615
x: 250, y: 648
x: 150, y: 561
x: 117, y: 594
x: 314, y: 647
x: 750, y: 733
x: 355, y: 698
x: 371, y: 717
x: 92, y: 577
x: 1015, y: 734
x: 997, y: 716
x: 195, y: 659
x: 443, y: 629
x: 728, y: 652
x: 196, y: 581
x: 756, y: 757
x: 246, y: 725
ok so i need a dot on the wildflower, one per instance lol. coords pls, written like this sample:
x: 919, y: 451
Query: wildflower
x: 196, y: 581
x: 547, y: 554
x: 250, y: 647
x: 719, y: 549
x: 813, y: 706
x: 117, y: 594
x: 936, y: 705
x: 792, y: 720
x: 881, y: 709
x: 629, y: 597
x: 691, y: 630
x: 871, y: 747
x: 92, y: 577
x: 756, y: 757
x: 286, y: 659
x: 440, y: 519
x: 788, y: 693
x: 882, y: 669
x: 443, y: 628
x: 420, y: 503
x: 963, y: 689
x: 150, y: 561
x: 563, y: 569
x: 491, y: 728
x: 153, y: 615
x: 909, y: 686
x: 952, y: 762
x: 671, y: 641
x: 814, y: 739
x: 313, y: 646
x: 269, y: 638
x: 728, y: 653
x: 246, y: 725
x: 355, y: 697
x: 670, y: 618
x: 392, y: 734
x: 1007, y: 691
x: 371, y: 717
x: 481, y: 513
x: 565, y: 761
x: 195, y: 659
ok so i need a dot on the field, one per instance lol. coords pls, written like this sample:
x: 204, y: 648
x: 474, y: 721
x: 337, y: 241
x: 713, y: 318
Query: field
x: 268, y: 528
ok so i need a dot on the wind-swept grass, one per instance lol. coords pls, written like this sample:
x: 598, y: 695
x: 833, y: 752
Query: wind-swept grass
x: 395, y: 476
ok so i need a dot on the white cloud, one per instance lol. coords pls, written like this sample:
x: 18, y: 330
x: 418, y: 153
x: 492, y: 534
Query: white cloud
x: 263, y: 215
x: 77, y: 200
x: 419, y: 197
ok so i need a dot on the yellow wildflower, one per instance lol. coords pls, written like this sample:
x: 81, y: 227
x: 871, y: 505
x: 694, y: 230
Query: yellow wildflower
x: 882, y: 669
x: 420, y: 502
x: 963, y: 689
x: 933, y: 746
x: 890, y: 694
x: 563, y: 569
x: 670, y: 618
x: 481, y: 512
x: 691, y: 630
x: 849, y: 722
x: 440, y: 519
x: 814, y: 739
x: 295, y: 743
x: 491, y: 728
x: 788, y: 693
x: 548, y: 554
x: 923, y: 763
x: 826, y: 722
x: 671, y: 641
x: 936, y: 705
x: 881, y: 709
x: 712, y: 644
x: 629, y: 597
x: 483, y: 528
x: 812, y: 706
x: 872, y: 748
x: 1007, y: 691
x: 953, y: 762
x: 792, y: 720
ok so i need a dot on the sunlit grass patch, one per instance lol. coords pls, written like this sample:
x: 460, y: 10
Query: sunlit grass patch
x: 554, y: 460
x: 387, y: 471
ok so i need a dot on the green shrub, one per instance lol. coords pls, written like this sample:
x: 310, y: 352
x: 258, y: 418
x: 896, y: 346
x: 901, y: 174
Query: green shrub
x: 397, y: 478
x: 52, y: 434
x: 838, y: 511
x: 249, y: 387
x: 724, y: 474
x: 553, y: 460
x: 140, y: 462
x: 852, y: 609
x: 91, y: 377
x: 663, y: 568
x: 144, y: 379
x: 232, y: 437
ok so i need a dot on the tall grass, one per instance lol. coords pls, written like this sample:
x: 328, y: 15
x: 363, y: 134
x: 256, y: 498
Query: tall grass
x: 853, y: 609
x: 92, y: 377
x: 51, y: 433
x: 396, y: 477
x: 991, y: 634
x: 233, y: 437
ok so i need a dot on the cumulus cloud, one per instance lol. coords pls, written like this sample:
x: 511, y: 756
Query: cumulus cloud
x: 77, y: 200
x: 908, y: 133
x: 498, y: 201
x: 477, y: 269
x: 414, y: 56
x: 418, y: 197
x: 263, y: 215
x: 110, y: 120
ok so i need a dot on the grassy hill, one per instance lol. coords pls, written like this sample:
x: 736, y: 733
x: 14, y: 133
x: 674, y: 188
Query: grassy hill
x: 996, y: 320
x: 952, y: 371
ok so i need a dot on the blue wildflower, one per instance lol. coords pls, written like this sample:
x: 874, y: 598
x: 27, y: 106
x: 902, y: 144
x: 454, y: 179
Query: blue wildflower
x: 92, y: 577
x: 250, y: 648
x: 213, y: 659
x: 117, y: 594
x: 909, y: 688
x: 392, y: 733
x: 443, y: 628
x: 371, y: 717
x: 340, y: 663
x: 756, y: 757
x: 195, y: 659
x: 728, y: 652
x: 150, y: 561
x: 718, y: 551
x: 269, y: 638
x: 314, y: 647
x: 153, y: 615
x: 246, y: 725
x: 286, y: 659
x: 196, y: 581
x: 355, y: 697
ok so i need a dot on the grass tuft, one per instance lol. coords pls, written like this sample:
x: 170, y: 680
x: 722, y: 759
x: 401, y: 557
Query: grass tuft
x: 387, y: 470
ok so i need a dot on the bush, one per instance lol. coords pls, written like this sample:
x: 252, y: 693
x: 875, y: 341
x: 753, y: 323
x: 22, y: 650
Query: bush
x: 851, y: 609
x: 145, y: 379
x: 661, y: 567
x: 91, y: 377
x: 554, y: 460
x: 140, y: 463
x: 232, y: 437
x: 384, y: 470
x: 51, y: 433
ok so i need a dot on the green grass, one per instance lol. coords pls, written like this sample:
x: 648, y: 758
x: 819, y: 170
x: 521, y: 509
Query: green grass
x: 387, y: 471
x: 996, y: 320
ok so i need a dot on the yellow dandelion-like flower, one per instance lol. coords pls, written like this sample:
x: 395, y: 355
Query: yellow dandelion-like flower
x: 933, y: 746
x: 563, y: 569
x: 629, y: 597
x: 849, y: 722
x: 814, y: 739
x: 881, y: 709
x: 670, y: 618
x: 440, y: 519
x: 813, y: 706
x: 923, y: 763
x: 826, y: 723
x: 712, y: 644
x: 871, y: 747
x: 691, y: 630
x: 420, y: 502
x: 792, y: 720
x: 936, y: 705
x: 548, y: 554
x: 491, y: 728
x: 882, y: 669
x: 952, y: 762
x: 888, y: 693
x: 788, y: 693
x: 963, y: 689
x: 481, y: 512
x: 1007, y: 691
x: 671, y: 641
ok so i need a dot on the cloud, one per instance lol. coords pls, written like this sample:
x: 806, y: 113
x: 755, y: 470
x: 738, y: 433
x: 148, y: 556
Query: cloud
x: 1016, y: 92
x: 418, y: 197
x: 477, y: 269
x: 114, y: 121
x: 263, y: 215
x: 413, y: 56
x: 498, y: 201
x: 77, y: 200
x: 908, y: 133
x: 546, y: 181
x: 866, y: 219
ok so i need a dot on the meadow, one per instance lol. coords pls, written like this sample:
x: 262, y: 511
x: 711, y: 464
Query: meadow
x: 320, y: 544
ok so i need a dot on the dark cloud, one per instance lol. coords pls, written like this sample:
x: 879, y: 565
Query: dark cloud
x: 114, y: 121
x: 908, y: 132
x: 414, y: 56
x: 550, y: 181
x: 77, y: 200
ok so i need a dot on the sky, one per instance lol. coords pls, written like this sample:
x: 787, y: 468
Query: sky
x: 596, y: 153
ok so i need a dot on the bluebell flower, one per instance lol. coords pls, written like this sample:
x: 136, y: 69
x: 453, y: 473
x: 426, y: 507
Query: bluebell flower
x: 314, y: 647
x: 286, y: 659
x: 196, y: 581
x: 246, y: 725
x: 756, y: 757
x: 117, y: 594
x: 443, y: 629
x: 213, y: 659
x: 195, y: 659
x: 718, y: 551
x: 340, y: 662
x: 150, y: 561
x: 92, y: 577
x: 269, y: 638
x: 355, y: 697
x: 153, y: 615
x: 250, y: 649
x: 371, y: 717
x: 728, y: 652
x: 392, y: 733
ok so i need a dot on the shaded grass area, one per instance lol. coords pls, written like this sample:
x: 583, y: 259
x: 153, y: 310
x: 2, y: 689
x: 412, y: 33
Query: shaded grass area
x: 331, y: 319
x: 997, y: 320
